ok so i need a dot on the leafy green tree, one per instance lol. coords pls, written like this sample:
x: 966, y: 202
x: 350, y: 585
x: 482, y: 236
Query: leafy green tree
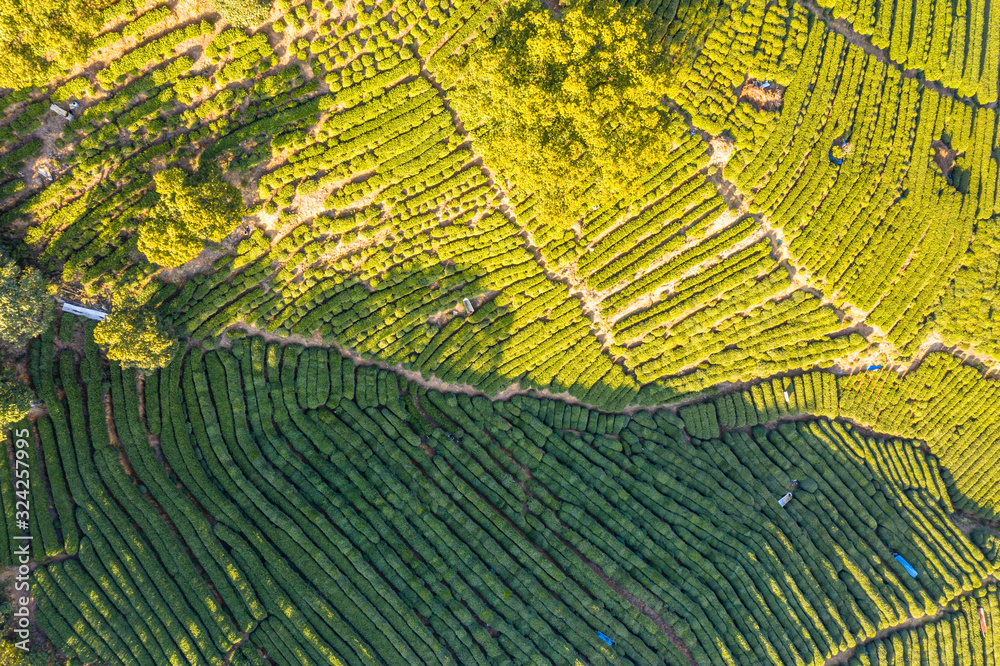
x: 15, y: 397
x: 553, y: 100
x: 11, y: 655
x: 39, y: 39
x: 243, y: 13
x: 25, y: 305
x: 190, y: 211
x: 165, y: 241
x: 134, y: 336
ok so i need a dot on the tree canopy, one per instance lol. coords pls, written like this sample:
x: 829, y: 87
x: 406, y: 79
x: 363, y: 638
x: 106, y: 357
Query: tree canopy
x: 577, y: 95
x: 39, y: 38
x: 134, y: 336
x: 25, y: 305
x: 15, y: 398
x: 190, y: 211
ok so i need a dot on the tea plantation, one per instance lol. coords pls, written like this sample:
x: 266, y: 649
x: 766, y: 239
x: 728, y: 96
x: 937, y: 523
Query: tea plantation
x: 481, y: 332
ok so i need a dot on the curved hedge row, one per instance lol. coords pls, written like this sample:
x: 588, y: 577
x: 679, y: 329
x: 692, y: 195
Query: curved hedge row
x: 956, y: 638
x: 339, y: 513
x: 948, y: 404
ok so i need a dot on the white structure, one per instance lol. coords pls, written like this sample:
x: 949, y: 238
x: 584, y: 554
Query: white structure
x: 785, y: 499
x: 97, y: 315
x: 468, y: 305
x: 61, y: 111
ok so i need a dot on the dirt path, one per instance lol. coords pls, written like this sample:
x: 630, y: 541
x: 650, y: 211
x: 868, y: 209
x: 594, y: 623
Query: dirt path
x: 853, y: 37
x: 852, y: 317
x: 431, y: 383
x: 599, y: 328
x: 640, y: 605
x: 843, y: 656
x: 228, y: 659
x: 436, y: 384
x: 9, y: 573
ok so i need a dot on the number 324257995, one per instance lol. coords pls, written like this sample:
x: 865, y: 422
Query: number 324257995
x: 22, y: 473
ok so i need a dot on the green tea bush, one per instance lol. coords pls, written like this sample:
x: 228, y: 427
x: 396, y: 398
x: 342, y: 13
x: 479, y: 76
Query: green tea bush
x: 243, y: 13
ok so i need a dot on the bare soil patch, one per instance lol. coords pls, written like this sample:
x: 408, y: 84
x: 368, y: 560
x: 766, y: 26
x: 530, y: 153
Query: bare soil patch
x: 762, y: 95
x: 944, y: 157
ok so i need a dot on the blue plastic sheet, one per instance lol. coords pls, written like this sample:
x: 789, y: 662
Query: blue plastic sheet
x: 906, y: 565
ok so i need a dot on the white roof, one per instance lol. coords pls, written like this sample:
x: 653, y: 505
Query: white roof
x: 61, y: 111
x: 84, y: 312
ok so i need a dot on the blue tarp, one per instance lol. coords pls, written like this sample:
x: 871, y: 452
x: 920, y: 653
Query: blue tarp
x: 906, y: 565
x: 604, y: 637
x: 835, y: 160
x: 874, y: 367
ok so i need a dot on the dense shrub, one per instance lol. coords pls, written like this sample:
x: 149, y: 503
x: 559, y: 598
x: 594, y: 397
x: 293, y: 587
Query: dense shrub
x: 243, y: 13
x: 41, y: 39
x: 607, y: 122
x: 191, y: 209
x: 134, y: 337
x: 15, y: 397
x: 25, y: 304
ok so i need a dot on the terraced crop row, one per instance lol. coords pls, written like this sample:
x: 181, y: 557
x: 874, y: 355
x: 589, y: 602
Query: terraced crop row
x: 875, y: 180
x: 356, y: 516
x: 955, y: 44
x: 955, y: 638
x: 274, y: 502
x: 889, y: 260
x: 951, y: 406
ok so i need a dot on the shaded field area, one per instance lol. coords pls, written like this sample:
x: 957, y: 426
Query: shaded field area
x: 282, y: 501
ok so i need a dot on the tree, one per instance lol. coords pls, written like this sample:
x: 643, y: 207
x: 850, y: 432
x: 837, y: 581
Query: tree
x: 190, y: 211
x: 578, y: 96
x: 39, y: 39
x: 15, y: 397
x: 243, y: 13
x: 25, y: 305
x: 134, y: 336
x: 165, y: 241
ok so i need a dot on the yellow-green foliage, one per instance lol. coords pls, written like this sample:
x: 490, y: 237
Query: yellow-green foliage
x: 250, y: 249
x: 15, y: 401
x: 243, y: 13
x: 190, y: 210
x: 25, y: 307
x: 41, y: 38
x: 580, y: 94
x: 134, y: 337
